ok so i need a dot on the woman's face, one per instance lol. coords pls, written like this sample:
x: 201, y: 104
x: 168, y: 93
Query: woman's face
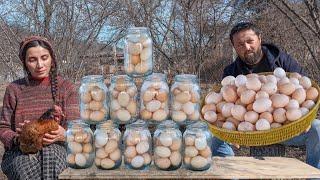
x: 38, y: 62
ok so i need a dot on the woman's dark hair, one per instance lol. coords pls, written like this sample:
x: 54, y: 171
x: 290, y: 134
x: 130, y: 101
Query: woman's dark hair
x: 53, y: 69
x: 244, y: 26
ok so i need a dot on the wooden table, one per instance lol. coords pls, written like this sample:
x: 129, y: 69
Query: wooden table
x: 222, y: 168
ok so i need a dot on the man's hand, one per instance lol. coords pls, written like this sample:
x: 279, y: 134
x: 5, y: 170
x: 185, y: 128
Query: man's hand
x: 308, y: 128
x: 54, y: 136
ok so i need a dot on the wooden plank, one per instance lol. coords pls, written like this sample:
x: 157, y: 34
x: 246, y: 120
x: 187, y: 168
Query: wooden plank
x: 222, y: 168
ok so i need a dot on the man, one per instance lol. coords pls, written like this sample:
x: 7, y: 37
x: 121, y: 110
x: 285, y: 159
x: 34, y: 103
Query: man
x: 255, y: 57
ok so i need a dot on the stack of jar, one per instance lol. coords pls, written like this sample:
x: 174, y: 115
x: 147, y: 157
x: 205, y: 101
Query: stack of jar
x: 80, y: 150
x: 137, y: 145
x: 154, y: 98
x: 93, y: 99
x: 107, y: 140
x: 123, y: 108
x: 185, y: 99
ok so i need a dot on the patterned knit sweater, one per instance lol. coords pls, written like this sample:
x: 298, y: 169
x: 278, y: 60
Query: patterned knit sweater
x: 28, y: 101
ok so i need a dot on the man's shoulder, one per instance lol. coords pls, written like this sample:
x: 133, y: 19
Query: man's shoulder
x: 229, y: 69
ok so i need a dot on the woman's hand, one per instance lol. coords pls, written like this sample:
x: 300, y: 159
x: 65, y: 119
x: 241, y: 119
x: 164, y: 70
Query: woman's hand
x: 21, y: 125
x: 58, y: 113
x: 54, y: 136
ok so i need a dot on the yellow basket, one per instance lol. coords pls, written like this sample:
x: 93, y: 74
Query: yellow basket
x: 272, y: 136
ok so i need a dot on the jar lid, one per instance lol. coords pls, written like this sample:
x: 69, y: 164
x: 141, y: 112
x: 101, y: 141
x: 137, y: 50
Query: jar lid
x: 157, y: 77
x: 92, y: 78
x: 137, y: 124
x: 168, y: 124
x: 198, y: 125
x: 77, y: 124
x: 107, y: 125
x: 186, y: 78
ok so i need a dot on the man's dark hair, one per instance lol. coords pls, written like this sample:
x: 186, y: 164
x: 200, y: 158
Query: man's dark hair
x: 244, y: 26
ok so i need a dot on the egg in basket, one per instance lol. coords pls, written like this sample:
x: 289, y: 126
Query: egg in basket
x: 261, y: 109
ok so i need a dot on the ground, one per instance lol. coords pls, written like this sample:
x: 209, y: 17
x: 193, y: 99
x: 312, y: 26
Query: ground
x: 293, y: 152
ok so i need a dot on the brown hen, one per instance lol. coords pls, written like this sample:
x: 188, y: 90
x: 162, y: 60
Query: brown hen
x: 32, y: 134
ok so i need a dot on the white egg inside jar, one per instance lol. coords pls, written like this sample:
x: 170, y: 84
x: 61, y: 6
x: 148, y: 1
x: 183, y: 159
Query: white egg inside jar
x: 80, y: 145
x: 137, y: 145
x: 138, y: 52
x: 94, y: 99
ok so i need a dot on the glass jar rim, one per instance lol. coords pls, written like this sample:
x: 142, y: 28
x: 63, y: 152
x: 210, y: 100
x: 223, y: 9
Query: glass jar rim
x: 139, y: 123
x: 78, y: 122
x: 107, y: 125
x: 168, y: 124
x: 198, y: 125
x: 156, y: 77
x: 92, y: 78
x: 124, y: 76
x: 186, y: 77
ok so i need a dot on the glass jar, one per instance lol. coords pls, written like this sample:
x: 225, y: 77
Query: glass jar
x: 167, y: 142
x: 185, y: 99
x: 93, y: 99
x: 123, y: 99
x: 107, y: 144
x: 197, y: 141
x: 138, y: 52
x: 154, y: 98
x: 80, y: 149
x: 137, y: 145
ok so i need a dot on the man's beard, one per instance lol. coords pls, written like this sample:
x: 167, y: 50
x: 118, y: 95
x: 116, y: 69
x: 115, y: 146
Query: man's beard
x: 253, y: 58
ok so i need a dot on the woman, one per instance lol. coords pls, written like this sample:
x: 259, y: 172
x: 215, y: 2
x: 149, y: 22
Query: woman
x: 29, y: 99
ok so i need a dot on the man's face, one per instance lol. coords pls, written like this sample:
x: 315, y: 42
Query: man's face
x: 248, y: 46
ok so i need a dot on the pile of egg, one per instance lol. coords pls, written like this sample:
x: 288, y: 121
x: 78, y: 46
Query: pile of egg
x: 140, y: 54
x: 80, y: 149
x: 167, y: 151
x: 154, y: 102
x: 260, y: 102
x: 137, y: 152
x: 108, y: 153
x: 123, y: 106
x: 94, y: 107
x: 185, y: 102
x: 197, y: 153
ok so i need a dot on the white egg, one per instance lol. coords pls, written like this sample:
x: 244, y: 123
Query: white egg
x: 153, y: 105
x: 228, y: 80
x: 80, y: 160
x: 188, y: 108
x: 75, y: 147
x: 279, y: 72
x: 200, y: 143
x: 165, y: 139
x: 262, y: 124
x: 162, y: 151
x: 101, y: 139
x: 137, y: 162
x: 146, y: 53
x: 240, y: 80
x: 142, y: 147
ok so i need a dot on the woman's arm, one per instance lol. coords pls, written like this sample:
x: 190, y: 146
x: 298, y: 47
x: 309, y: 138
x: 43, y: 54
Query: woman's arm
x: 8, y: 117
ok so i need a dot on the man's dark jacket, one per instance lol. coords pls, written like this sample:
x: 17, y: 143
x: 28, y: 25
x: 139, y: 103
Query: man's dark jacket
x: 273, y: 58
